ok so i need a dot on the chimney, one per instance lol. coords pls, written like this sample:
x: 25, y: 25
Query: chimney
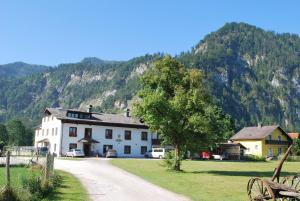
x: 127, y: 113
x: 90, y: 109
x: 259, y: 124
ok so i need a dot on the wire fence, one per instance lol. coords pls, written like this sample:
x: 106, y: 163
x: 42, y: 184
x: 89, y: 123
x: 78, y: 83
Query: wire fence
x: 14, y: 167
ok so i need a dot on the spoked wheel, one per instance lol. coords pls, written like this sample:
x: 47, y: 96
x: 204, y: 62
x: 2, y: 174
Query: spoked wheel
x: 258, y: 190
x: 293, y: 182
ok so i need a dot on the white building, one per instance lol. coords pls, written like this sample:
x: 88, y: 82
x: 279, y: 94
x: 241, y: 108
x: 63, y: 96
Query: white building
x: 94, y: 133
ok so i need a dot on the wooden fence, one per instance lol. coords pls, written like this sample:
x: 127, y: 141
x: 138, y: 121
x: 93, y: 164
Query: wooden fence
x: 46, y: 163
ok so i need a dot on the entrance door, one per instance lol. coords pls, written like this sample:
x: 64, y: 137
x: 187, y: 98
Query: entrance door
x: 87, y: 149
x: 106, y: 147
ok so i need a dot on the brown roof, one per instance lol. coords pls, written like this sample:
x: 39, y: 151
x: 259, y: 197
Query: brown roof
x: 258, y: 132
x: 294, y: 135
x: 96, y: 118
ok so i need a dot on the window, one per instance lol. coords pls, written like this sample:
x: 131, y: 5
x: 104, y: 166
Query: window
x: 143, y: 149
x: 73, y: 132
x: 256, y: 147
x: 108, y: 133
x: 279, y: 150
x: 72, y: 115
x: 144, y: 136
x: 42, y: 132
x: 127, y: 135
x: 54, y: 147
x: 270, y: 137
x: 127, y: 149
x: 52, y: 117
x: 47, y: 131
x: 56, y: 129
x: 72, y: 146
x: 270, y: 152
x: 88, y: 133
x: 52, y: 131
x: 279, y: 138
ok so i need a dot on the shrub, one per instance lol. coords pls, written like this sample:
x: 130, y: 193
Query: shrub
x: 8, y: 194
x: 254, y: 158
x: 38, y: 188
x: 169, y: 160
x: 289, y: 158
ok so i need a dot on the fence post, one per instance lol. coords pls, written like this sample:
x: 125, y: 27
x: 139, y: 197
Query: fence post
x: 7, y: 176
x: 47, y: 168
x: 52, y: 164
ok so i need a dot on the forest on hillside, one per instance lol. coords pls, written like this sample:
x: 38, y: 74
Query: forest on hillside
x: 253, y: 74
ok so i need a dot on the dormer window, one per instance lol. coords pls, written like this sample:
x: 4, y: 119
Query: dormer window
x: 279, y: 138
x: 78, y: 115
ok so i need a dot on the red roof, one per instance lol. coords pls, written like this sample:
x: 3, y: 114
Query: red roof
x: 294, y: 135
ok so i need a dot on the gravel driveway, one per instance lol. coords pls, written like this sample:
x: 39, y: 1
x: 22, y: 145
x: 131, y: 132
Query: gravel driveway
x: 105, y: 182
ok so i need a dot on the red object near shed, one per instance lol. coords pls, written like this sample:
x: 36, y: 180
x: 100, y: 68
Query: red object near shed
x: 205, y: 155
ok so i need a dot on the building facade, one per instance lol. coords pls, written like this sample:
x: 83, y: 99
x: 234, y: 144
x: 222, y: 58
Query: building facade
x: 263, y: 140
x: 93, y: 133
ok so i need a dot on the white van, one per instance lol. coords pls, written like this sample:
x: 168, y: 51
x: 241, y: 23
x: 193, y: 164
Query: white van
x: 156, y: 153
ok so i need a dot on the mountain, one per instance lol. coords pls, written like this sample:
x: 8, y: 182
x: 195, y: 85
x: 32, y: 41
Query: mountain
x: 253, y: 74
x: 107, y: 85
x: 19, y: 69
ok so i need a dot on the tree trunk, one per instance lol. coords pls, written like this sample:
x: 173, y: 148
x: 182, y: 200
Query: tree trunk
x: 177, y: 158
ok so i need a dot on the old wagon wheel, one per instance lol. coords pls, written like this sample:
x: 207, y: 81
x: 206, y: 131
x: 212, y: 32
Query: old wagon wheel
x: 292, y: 181
x: 258, y: 190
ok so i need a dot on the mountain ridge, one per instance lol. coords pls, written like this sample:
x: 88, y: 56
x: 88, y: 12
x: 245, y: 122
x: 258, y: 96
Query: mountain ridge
x: 253, y: 74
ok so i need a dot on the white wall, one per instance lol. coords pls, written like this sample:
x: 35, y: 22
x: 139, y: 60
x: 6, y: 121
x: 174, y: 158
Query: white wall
x: 49, y: 123
x: 118, y: 141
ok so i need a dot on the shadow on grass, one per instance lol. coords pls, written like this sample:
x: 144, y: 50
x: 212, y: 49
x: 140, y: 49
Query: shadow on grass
x: 242, y: 173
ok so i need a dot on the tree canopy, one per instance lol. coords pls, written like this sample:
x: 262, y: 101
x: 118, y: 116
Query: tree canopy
x: 18, y: 134
x: 175, y: 103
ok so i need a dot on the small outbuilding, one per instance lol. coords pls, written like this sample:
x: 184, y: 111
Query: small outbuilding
x: 231, y: 151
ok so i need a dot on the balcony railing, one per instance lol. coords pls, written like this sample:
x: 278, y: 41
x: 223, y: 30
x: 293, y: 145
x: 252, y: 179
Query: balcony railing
x: 277, y: 142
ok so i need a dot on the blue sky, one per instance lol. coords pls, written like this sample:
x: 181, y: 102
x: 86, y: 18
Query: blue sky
x: 61, y: 31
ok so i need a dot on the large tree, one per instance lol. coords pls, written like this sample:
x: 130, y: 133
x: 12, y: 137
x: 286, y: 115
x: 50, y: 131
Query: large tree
x: 175, y: 103
x: 18, y: 134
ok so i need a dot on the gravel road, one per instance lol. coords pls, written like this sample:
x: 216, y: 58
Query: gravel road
x: 105, y: 182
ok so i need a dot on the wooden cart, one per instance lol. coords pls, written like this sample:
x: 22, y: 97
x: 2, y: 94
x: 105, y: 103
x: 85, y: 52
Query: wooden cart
x: 287, y: 188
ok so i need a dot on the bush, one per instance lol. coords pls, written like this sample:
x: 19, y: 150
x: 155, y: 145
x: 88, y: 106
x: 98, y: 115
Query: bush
x: 38, y: 188
x: 254, y: 158
x: 8, y: 194
x: 169, y: 160
x: 289, y: 158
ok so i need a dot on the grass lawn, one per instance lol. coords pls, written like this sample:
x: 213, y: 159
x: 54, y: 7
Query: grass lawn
x: 205, y: 180
x: 70, y: 189
x: 16, y: 173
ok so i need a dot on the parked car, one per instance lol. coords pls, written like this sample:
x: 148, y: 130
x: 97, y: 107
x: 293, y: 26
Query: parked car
x: 43, y: 151
x: 219, y: 157
x: 111, y: 153
x: 75, y: 153
x: 156, y: 153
